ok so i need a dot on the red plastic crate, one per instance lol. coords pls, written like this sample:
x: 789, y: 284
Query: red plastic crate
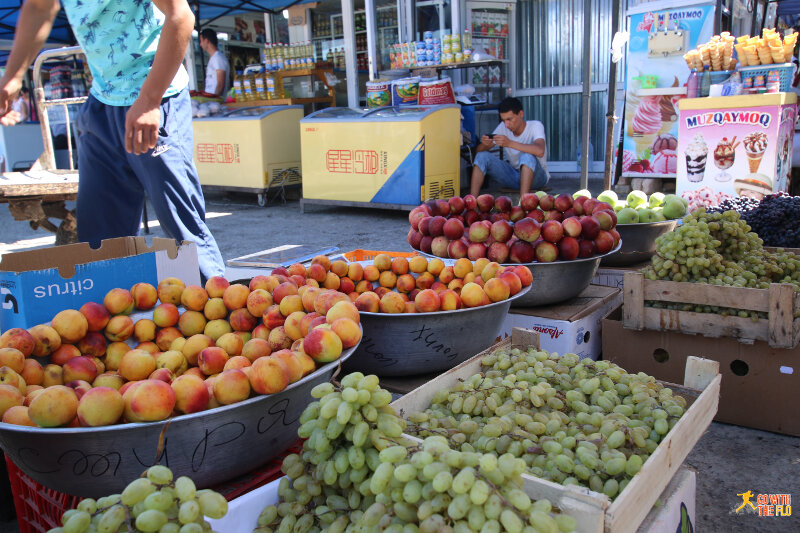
x: 39, y: 509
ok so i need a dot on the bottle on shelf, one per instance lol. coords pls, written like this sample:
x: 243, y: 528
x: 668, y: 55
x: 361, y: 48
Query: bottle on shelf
x: 705, y: 84
x: 692, y: 84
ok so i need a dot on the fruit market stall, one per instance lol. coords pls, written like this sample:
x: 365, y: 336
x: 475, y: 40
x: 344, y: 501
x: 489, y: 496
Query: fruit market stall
x: 390, y: 158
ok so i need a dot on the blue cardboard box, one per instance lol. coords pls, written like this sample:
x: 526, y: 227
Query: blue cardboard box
x: 37, y: 284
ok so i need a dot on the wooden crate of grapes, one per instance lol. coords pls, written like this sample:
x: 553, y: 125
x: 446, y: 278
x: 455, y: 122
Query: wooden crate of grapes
x: 594, y: 511
x: 779, y: 302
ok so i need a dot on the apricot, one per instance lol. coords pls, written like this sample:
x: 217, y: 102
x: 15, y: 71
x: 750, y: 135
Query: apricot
x: 143, y: 330
x: 53, y: 407
x: 12, y: 358
x: 231, y: 386
x: 191, y: 393
x: 100, y: 406
x: 235, y: 296
x: 10, y: 396
x: 216, y: 285
x: 348, y: 331
x: 322, y: 345
x: 194, y: 298
x: 268, y: 375
x: 212, y: 360
x: 166, y: 315
x: 118, y: 301
x: 70, y: 324
x: 169, y: 290
x: 150, y: 400
x: 96, y: 315
x: 368, y: 302
x: 119, y: 328
x: 292, y: 363
x: 427, y: 301
x: 46, y: 340
x: 144, y: 296
x: 343, y: 310
x: 391, y: 302
x: 18, y: 415
x: 217, y: 328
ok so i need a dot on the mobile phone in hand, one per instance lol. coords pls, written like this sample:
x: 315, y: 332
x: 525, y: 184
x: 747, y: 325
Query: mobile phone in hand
x: 490, y: 135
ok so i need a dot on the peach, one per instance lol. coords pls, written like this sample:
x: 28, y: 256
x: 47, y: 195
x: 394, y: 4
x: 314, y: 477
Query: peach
x: 231, y: 386
x: 165, y: 337
x: 363, y: 286
x: 438, y: 286
x: 462, y: 267
x: 191, y: 323
x: 371, y: 273
x: 255, y: 348
x: 391, y: 302
x: 268, y: 283
x: 479, y: 265
x: 456, y: 285
x: 305, y: 322
x: 163, y: 374
x: 294, y: 364
x: 149, y: 401
x: 99, y: 364
x: 273, y: 317
x: 425, y: 280
x: 514, y: 283
x: 191, y: 394
x: 339, y: 268
x: 382, y: 262
x: 12, y: 358
x: 101, y: 406
x: 525, y: 275
x: 237, y: 361
x: 119, y: 328
x: 169, y: 290
x: 317, y: 272
x: 332, y: 281
x: 435, y: 266
x: 10, y: 396
x: 212, y: 360
x: 279, y: 339
x: 217, y: 328
x: 497, y: 289
x: 216, y: 285
x: 368, y: 302
x: 114, y: 353
x: 355, y: 271
x: 387, y: 279
x: 290, y: 303
x: 292, y: 325
x: 194, y: 298
x: 489, y: 271
x: 322, y: 260
x: 46, y: 340
x: 306, y: 362
x: 308, y: 296
x: 215, y: 309
x: 64, y: 353
x: 194, y: 345
x: 449, y: 300
x: 296, y: 269
x: 346, y: 285
x: 258, y: 301
x: 54, y: 406
x: 470, y: 278
x: 109, y: 379
x: 10, y: 377
x: 137, y: 365
x: 52, y: 375
x: 166, y: 315
x: 327, y: 299
x: 400, y: 266
x: 18, y: 415
x: 96, y: 315
x: 144, y: 296
x: 427, y: 301
x: 144, y: 330
x: 177, y: 344
x: 32, y: 372
x: 447, y: 275
x: 268, y: 375
x: 348, y: 331
x: 70, y: 324
x: 231, y: 343
x: 343, y: 310
x: 79, y: 368
x: 128, y: 385
x: 260, y: 332
x: 418, y: 264
x: 194, y: 371
x: 235, y: 296
x: 172, y: 360
x: 79, y: 386
x: 118, y: 301
x: 472, y: 295
x: 322, y: 345
x: 31, y: 395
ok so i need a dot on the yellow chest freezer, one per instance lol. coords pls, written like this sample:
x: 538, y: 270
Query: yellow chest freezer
x: 385, y: 157
x: 251, y: 149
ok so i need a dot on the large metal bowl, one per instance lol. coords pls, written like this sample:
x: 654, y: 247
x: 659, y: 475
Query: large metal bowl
x: 638, y: 242
x: 419, y: 343
x: 210, y: 447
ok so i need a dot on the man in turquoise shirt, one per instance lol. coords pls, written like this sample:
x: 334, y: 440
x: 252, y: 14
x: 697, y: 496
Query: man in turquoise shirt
x: 135, y: 130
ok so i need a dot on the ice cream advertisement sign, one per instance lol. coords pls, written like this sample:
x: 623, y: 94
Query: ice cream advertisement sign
x: 655, y: 81
x: 735, y: 146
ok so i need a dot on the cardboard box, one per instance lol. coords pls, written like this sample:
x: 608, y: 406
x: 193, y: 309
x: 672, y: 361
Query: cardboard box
x: 36, y: 284
x: 677, y: 509
x: 760, y: 388
x: 569, y: 327
x: 614, y: 276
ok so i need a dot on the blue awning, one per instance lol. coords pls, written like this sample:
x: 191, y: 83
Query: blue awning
x: 789, y: 7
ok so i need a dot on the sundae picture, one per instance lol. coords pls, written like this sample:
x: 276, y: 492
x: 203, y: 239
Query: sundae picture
x: 665, y: 157
x: 646, y: 123
x: 755, y: 186
x: 696, y: 154
x: 724, y: 157
x: 755, y: 144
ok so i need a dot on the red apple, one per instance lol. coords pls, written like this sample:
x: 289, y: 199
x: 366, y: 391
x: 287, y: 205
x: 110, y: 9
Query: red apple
x: 590, y: 227
x: 414, y: 238
x: 552, y: 231
x: 572, y: 227
x: 485, y: 202
x: 443, y: 206
x: 547, y: 202
x: 527, y: 229
x: 568, y: 248
x: 502, y: 230
x: 457, y: 249
x: 456, y: 205
x: 425, y: 244
x: 436, y: 226
x: 546, y: 252
x: 416, y: 214
x: 439, y: 246
x: 470, y: 217
x: 614, y: 233
x: 498, y: 252
x: 563, y: 202
x: 521, y: 252
x: 587, y: 248
x: 604, y: 242
x: 476, y: 250
x: 577, y: 205
x: 433, y: 209
x: 517, y: 213
x: 607, y: 219
x: 470, y: 202
x: 503, y: 204
x: 424, y: 225
x: 536, y: 214
x: 453, y: 229
x: 569, y: 213
x: 588, y: 206
x: 529, y: 201
x: 554, y: 214
x: 478, y: 232
x: 602, y: 206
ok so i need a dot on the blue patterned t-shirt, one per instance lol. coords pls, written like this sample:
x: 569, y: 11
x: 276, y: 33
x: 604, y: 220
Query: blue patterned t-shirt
x: 119, y: 38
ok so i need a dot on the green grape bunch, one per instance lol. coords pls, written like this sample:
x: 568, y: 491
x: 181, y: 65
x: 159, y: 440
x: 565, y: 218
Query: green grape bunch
x: 719, y: 249
x: 572, y: 421
x: 359, y: 473
x: 151, y: 503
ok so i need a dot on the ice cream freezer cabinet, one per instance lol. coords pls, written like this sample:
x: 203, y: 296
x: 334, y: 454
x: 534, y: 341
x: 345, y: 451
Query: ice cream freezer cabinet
x: 736, y: 145
x: 390, y: 157
x: 252, y: 149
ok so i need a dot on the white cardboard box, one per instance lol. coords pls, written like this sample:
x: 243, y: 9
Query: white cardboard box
x: 569, y: 327
x: 613, y: 276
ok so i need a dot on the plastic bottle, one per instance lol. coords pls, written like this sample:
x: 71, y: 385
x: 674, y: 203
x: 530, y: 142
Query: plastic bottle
x: 705, y: 84
x: 466, y: 39
x: 693, y: 84
x: 238, y: 89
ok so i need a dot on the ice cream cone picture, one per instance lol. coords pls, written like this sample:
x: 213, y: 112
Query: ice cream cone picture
x: 696, y: 156
x: 755, y: 144
x: 646, y: 123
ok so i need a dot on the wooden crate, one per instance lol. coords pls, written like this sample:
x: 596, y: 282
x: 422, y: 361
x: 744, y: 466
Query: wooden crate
x: 780, y: 329
x: 594, y: 512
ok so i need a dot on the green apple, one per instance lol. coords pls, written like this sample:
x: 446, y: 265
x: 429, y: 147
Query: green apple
x: 582, y: 192
x: 541, y: 194
x: 656, y: 199
x: 660, y: 216
x: 627, y: 215
x: 619, y: 205
x: 685, y: 202
x: 646, y: 215
x: 609, y: 197
x: 674, y: 207
x: 636, y: 198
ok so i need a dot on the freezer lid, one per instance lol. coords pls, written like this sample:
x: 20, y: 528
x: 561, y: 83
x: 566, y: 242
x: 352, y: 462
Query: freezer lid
x: 258, y: 111
x: 334, y: 114
x: 405, y: 113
